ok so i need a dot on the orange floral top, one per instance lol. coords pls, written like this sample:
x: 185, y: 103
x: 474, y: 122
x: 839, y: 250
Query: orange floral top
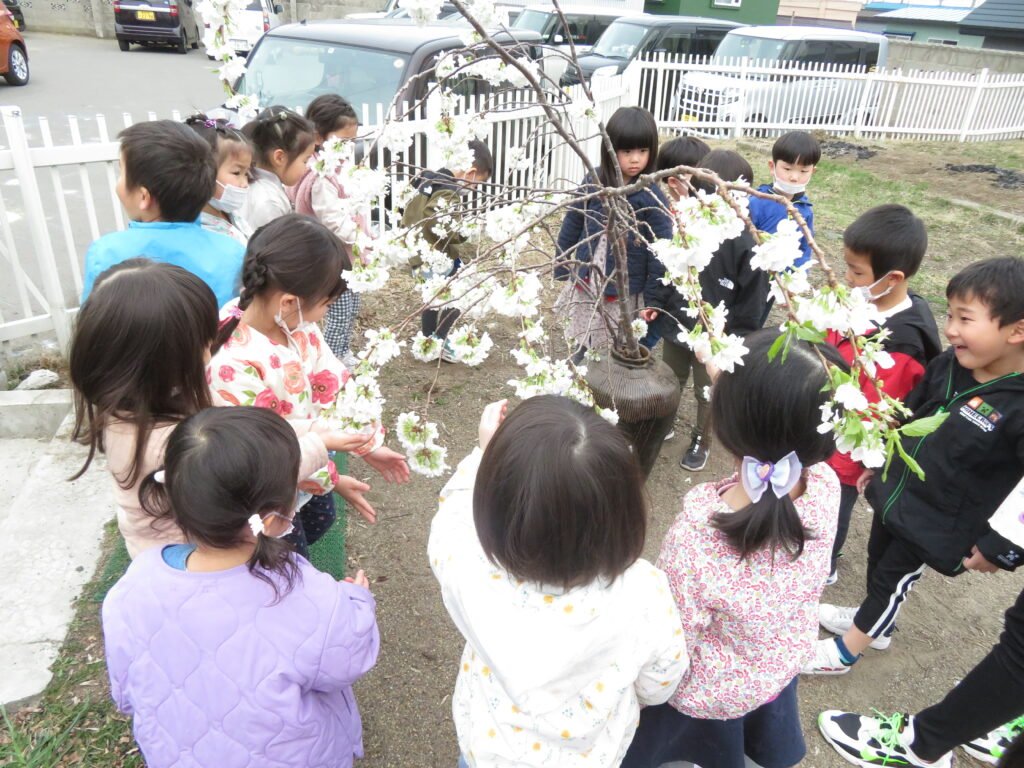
x: 298, y: 381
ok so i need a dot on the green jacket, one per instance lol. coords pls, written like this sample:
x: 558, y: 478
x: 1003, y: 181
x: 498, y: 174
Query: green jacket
x: 431, y: 188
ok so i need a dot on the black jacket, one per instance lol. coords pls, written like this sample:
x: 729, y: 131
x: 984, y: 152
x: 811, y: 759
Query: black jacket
x: 729, y: 278
x: 971, y: 463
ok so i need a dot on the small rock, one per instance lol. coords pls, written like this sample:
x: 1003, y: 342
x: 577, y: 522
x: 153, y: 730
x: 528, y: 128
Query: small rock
x: 39, y: 380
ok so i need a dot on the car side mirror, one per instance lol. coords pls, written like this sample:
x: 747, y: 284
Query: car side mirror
x: 558, y: 39
x: 278, y: 8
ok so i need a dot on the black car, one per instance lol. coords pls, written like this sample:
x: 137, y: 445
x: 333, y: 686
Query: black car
x: 628, y: 37
x: 166, y: 22
x: 17, y: 13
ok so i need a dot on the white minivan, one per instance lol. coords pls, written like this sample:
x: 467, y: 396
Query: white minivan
x: 259, y: 16
x: 782, y: 98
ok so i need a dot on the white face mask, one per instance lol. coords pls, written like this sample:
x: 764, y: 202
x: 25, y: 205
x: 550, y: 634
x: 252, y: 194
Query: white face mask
x: 300, y: 326
x: 786, y: 188
x: 865, y: 290
x: 231, y: 198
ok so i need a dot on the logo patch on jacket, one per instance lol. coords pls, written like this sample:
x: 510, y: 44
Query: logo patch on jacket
x: 980, y: 414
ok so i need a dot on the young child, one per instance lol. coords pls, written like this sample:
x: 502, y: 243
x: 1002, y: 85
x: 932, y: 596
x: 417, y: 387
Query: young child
x: 584, y: 256
x: 270, y: 353
x: 231, y: 649
x: 283, y: 144
x: 746, y: 560
x: 794, y: 156
x: 167, y: 175
x: 322, y: 198
x: 536, y: 545
x: 682, y: 150
x: 883, y: 249
x: 971, y: 463
x: 233, y: 154
x: 436, y: 192
x: 728, y: 279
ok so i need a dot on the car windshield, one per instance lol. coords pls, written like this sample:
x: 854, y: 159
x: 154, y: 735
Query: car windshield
x: 739, y: 46
x: 293, y: 72
x: 619, y: 41
x: 254, y: 5
x: 535, y: 20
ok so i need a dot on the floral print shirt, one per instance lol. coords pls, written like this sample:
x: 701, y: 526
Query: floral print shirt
x: 237, y: 229
x: 298, y: 381
x: 750, y: 624
x: 549, y: 677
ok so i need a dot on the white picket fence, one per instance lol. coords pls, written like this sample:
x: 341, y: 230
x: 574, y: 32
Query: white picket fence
x: 734, y: 97
x: 58, y: 186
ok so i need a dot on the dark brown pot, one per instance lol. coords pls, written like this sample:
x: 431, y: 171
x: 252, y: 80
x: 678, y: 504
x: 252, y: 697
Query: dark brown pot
x: 644, y: 392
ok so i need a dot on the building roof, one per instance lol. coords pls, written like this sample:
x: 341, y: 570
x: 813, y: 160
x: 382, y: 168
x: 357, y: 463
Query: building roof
x: 1000, y: 17
x: 925, y: 13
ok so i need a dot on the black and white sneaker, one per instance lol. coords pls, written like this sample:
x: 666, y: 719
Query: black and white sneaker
x: 881, y: 740
x: 696, y: 456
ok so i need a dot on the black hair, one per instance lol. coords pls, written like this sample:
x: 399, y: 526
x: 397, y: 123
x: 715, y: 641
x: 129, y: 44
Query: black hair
x: 891, y: 236
x: 483, y: 160
x: 221, y: 466
x: 729, y: 165
x: 997, y: 283
x: 765, y: 409
x: 330, y: 112
x: 172, y: 163
x: 295, y: 254
x: 279, y: 128
x: 559, y: 497
x: 224, y: 140
x: 796, y: 148
x: 137, y: 353
x: 682, y: 150
x: 628, y: 128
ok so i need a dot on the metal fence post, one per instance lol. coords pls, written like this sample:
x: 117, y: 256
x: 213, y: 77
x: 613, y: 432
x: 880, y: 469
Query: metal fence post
x: 36, y: 217
x: 972, y: 108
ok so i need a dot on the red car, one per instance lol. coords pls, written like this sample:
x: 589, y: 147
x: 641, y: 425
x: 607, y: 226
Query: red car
x: 13, y: 53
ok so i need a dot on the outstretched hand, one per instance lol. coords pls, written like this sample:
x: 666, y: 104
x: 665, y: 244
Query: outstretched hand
x: 391, y: 464
x: 648, y: 314
x: 978, y: 562
x: 359, y: 580
x: 345, y: 442
x: 352, y: 490
x: 490, y: 420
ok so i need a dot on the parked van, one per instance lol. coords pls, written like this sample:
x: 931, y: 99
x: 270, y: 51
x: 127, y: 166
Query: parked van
x: 163, y: 22
x: 629, y: 36
x: 777, y: 98
x: 259, y: 17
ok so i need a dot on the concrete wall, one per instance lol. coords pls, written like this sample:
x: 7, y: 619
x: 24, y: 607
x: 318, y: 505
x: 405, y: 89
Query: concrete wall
x: 948, y: 58
x: 76, y: 17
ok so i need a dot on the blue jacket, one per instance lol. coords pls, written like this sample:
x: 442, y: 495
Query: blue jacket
x: 766, y: 215
x: 585, y: 221
x: 216, y: 258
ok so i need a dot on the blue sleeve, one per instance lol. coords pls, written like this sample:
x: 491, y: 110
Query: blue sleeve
x: 808, y: 254
x: 569, y: 237
x: 661, y: 226
x: 97, y: 260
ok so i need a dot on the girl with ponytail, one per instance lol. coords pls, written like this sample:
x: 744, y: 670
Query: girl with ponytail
x: 270, y: 353
x: 253, y: 648
x: 746, y: 561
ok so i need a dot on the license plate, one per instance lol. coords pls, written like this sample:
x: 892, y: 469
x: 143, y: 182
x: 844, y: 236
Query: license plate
x: 145, y: 15
x: 15, y: 23
x: 690, y: 118
x: 240, y: 45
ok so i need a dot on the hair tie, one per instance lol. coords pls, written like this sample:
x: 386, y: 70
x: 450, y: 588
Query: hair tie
x: 256, y: 524
x: 782, y: 476
x: 210, y: 123
x: 159, y: 477
x: 235, y: 311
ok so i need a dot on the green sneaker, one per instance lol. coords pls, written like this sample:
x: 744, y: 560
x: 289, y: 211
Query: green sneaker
x: 990, y: 747
x: 878, y: 740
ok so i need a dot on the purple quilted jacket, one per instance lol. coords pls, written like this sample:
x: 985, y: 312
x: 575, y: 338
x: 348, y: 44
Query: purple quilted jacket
x: 215, y: 674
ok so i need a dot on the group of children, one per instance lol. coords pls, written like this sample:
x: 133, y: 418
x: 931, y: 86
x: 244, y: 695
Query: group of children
x: 227, y: 646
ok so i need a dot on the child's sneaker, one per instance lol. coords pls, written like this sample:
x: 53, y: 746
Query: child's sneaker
x: 448, y: 354
x: 832, y: 578
x: 827, y: 660
x: 875, y: 740
x: 990, y: 747
x: 696, y: 456
x: 838, y: 620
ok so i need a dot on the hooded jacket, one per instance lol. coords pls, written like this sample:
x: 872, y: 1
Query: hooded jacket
x: 766, y: 215
x: 913, y: 342
x: 549, y: 677
x: 433, y: 187
x: 971, y: 463
x: 584, y: 224
x: 729, y: 279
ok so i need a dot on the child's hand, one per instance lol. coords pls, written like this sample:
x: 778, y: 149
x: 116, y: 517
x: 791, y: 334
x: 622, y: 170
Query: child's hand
x: 490, y: 420
x: 864, y: 479
x: 360, y: 579
x: 648, y: 315
x: 343, y: 441
x: 352, y: 490
x: 390, y: 464
x: 977, y: 562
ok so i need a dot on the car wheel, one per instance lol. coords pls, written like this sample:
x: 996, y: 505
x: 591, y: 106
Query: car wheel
x: 182, y: 44
x: 17, y: 66
x: 195, y: 43
x: 124, y: 45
